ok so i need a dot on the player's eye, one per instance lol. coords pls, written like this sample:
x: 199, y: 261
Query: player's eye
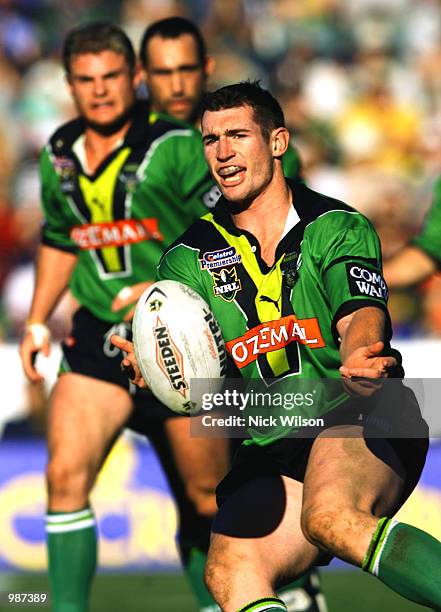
x: 112, y: 75
x: 159, y: 72
x: 189, y: 69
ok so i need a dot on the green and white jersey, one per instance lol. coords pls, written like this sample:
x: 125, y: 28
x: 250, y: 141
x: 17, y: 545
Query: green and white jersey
x: 429, y: 240
x: 120, y: 220
x: 279, y: 322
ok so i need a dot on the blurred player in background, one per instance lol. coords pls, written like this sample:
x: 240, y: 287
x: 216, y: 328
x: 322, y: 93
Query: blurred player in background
x: 119, y: 184
x: 422, y: 256
x: 176, y: 68
x: 291, y: 502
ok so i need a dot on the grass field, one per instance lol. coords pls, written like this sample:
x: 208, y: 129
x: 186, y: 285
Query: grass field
x: 345, y: 591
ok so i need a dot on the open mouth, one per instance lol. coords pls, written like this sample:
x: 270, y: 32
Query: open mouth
x: 231, y: 175
x: 102, y: 106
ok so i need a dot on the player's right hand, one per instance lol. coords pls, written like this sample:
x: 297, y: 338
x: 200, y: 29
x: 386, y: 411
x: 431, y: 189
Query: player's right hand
x: 129, y: 363
x: 36, y: 339
x: 364, y: 371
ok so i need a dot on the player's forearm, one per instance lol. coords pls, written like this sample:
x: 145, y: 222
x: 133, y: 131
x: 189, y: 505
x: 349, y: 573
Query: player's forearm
x: 361, y: 328
x: 408, y: 267
x: 53, y: 271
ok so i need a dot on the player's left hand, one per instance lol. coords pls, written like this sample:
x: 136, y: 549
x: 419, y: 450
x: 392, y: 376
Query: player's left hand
x: 365, y: 369
x: 127, y: 296
x: 129, y: 365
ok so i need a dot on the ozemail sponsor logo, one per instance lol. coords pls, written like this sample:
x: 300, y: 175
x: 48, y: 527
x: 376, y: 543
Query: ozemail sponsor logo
x: 169, y: 358
x: 115, y: 233
x: 274, y: 335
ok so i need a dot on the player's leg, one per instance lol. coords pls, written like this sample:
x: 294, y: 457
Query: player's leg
x: 350, y: 483
x: 85, y: 417
x: 194, y: 467
x: 257, y: 543
x: 88, y: 406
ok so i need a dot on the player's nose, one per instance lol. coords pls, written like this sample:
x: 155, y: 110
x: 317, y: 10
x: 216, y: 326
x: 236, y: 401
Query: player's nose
x: 224, y: 149
x: 177, y: 83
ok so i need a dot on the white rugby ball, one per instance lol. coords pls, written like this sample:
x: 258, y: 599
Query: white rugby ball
x: 178, y: 345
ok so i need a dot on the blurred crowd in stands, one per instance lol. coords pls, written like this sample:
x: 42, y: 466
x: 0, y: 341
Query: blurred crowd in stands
x: 359, y: 80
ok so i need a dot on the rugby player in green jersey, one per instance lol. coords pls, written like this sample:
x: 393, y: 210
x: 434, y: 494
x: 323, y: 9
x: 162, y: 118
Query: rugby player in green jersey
x: 308, y: 267
x: 422, y: 256
x: 176, y: 68
x: 119, y: 184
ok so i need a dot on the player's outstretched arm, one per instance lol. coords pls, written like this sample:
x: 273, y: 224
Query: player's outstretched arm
x: 53, y: 271
x: 409, y: 266
x: 129, y: 363
x: 362, y: 342
x: 129, y: 296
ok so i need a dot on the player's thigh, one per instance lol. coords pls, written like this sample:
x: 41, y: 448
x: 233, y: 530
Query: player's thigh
x: 346, y: 472
x: 257, y: 529
x: 86, y: 415
x: 201, y: 462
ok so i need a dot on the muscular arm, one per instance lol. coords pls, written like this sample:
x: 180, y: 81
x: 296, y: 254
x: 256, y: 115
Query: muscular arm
x: 53, y: 271
x: 362, y: 335
x: 409, y: 266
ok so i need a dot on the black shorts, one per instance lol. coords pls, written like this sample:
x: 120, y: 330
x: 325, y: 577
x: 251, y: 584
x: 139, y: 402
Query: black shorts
x: 92, y: 354
x: 289, y: 456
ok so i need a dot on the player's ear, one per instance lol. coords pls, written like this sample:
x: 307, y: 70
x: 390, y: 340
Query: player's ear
x: 137, y: 75
x: 279, y: 141
x: 209, y: 66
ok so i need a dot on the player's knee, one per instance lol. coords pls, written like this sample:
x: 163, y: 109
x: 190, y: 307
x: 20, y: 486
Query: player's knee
x: 209, y: 576
x: 218, y: 575
x: 66, y: 480
x: 320, y: 525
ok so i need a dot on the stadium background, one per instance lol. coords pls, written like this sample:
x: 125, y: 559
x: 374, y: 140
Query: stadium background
x: 360, y: 82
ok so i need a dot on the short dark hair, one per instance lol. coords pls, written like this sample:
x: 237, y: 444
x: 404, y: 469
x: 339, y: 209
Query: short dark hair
x: 268, y: 113
x: 96, y: 37
x: 172, y: 27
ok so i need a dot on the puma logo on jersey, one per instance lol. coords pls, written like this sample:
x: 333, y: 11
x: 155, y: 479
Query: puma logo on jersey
x: 274, y: 335
x: 265, y: 298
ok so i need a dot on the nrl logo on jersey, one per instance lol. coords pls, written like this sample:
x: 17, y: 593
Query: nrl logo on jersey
x: 226, y: 284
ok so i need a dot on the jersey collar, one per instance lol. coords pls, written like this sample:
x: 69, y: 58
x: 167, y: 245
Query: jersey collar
x: 222, y: 215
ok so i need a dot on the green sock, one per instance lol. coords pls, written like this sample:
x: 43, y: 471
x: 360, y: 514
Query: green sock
x: 267, y: 604
x: 193, y: 559
x: 408, y: 560
x: 71, y: 538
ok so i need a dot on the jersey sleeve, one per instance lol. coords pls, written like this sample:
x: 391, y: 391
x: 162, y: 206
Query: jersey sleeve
x: 181, y: 263
x: 429, y: 240
x: 352, y: 270
x: 56, y: 228
x: 188, y: 172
